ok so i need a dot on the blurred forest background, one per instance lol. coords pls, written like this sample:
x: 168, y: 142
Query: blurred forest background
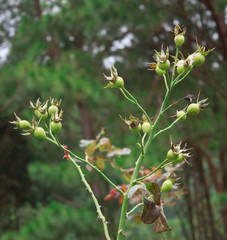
x: 60, y: 48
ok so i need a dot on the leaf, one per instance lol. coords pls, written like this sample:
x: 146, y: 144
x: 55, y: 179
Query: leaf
x: 150, y: 211
x: 90, y: 149
x: 119, y: 152
x: 134, y: 189
x: 104, y: 145
x: 100, y: 162
x: 84, y: 143
x: 154, y: 188
x: 161, y: 224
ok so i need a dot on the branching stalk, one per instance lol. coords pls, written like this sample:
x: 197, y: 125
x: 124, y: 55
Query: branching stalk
x: 132, y: 210
x: 133, y: 100
x: 170, y: 126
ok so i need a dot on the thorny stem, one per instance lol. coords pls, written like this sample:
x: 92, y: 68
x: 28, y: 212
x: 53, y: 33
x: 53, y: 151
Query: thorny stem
x: 56, y: 141
x: 100, y: 215
x: 132, y: 210
x: 92, y: 166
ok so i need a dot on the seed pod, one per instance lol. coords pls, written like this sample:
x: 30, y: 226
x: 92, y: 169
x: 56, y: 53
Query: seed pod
x: 55, y: 127
x: 167, y: 185
x: 24, y: 124
x: 180, y: 158
x: 180, y: 114
x: 193, y: 109
x: 136, y: 128
x: 146, y: 127
x: 52, y: 110
x: 171, y: 155
x: 119, y: 83
x: 198, y: 59
x: 159, y: 71
x: 179, y: 40
x: 164, y: 65
x: 39, y: 133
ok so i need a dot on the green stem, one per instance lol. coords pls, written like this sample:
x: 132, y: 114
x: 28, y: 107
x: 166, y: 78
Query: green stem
x: 176, y: 81
x: 133, y: 100
x: 174, y: 66
x: 91, y: 165
x: 137, y: 168
x: 101, y: 216
x: 171, y: 105
x: 166, y: 84
x: 126, y: 96
x: 132, y: 210
x: 170, y: 126
x: 152, y: 172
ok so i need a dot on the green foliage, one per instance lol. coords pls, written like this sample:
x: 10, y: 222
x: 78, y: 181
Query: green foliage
x: 57, y: 221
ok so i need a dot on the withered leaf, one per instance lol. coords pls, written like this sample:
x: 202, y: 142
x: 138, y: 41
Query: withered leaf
x: 161, y: 224
x: 150, y: 211
x: 154, y: 188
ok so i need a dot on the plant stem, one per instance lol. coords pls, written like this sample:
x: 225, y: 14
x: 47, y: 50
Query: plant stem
x: 132, y: 210
x: 56, y: 141
x: 100, y: 215
x: 91, y: 165
x: 137, y: 168
x: 152, y: 172
x: 174, y: 66
x: 170, y: 126
x: 166, y: 84
x: 133, y: 100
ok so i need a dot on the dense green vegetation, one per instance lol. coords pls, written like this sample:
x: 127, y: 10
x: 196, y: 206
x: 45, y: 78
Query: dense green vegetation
x: 61, y: 49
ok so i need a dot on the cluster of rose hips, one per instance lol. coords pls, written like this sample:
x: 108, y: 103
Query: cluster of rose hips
x: 183, y: 65
x: 41, y: 111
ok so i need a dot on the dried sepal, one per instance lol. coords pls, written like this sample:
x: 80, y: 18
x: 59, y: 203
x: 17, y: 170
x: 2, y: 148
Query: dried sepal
x: 36, y: 105
x: 17, y: 122
x: 178, y: 30
x: 57, y: 117
x: 201, y: 49
x: 178, y: 149
x: 152, y: 66
x: 132, y: 121
x: 112, y: 78
x: 55, y: 102
x: 162, y: 56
